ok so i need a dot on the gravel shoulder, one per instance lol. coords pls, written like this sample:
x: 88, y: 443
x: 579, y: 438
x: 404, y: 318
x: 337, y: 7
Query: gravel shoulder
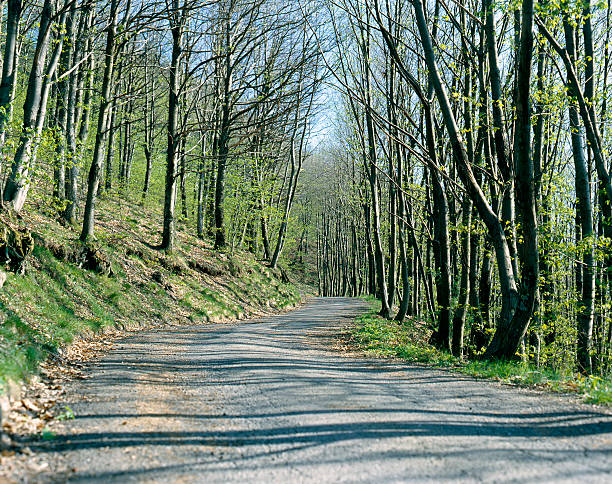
x: 269, y: 401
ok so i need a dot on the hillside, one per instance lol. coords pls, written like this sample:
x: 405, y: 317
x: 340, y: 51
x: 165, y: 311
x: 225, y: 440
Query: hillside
x: 58, y: 299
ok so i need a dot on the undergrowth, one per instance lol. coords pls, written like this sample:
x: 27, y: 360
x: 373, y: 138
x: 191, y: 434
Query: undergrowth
x: 383, y: 338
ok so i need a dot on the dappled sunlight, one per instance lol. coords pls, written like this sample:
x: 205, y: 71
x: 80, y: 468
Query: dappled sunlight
x: 259, y: 401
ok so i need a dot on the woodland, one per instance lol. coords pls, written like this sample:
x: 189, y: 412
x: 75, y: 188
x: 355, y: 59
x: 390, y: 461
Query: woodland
x: 447, y: 157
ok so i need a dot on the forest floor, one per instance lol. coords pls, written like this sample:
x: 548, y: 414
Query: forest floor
x: 279, y: 399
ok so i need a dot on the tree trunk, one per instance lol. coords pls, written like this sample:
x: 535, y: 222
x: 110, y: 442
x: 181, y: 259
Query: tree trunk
x: 371, y: 166
x: 584, y: 231
x: 18, y: 182
x: 9, y: 73
x: 108, y: 146
x: 178, y: 18
x: 149, y: 127
x: 441, y: 246
x: 95, y: 170
x: 404, y: 265
x: 509, y: 334
x: 464, y: 288
x: 73, y: 54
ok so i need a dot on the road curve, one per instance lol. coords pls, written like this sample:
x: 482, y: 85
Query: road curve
x: 267, y: 401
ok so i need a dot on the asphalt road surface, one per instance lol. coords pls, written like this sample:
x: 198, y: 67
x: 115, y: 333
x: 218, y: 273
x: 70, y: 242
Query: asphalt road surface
x: 269, y: 401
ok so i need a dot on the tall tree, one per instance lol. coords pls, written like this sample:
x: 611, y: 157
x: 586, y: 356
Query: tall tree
x: 95, y: 171
x: 35, y: 106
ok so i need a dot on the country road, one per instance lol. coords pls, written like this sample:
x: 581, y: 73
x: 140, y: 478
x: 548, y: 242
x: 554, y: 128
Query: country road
x: 268, y: 401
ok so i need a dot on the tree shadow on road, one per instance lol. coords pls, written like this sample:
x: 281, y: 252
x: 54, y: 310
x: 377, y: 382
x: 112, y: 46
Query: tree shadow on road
x: 282, y: 401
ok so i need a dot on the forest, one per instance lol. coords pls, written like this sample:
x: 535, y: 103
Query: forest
x: 305, y: 241
x: 469, y: 175
x: 448, y: 157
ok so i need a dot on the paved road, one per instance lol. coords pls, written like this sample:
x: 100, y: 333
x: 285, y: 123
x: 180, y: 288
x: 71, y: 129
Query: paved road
x: 266, y: 401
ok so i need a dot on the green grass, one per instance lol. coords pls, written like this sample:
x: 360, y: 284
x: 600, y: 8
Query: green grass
x: 383, y: 338
x: 47, y: 308
x: 56, y: 302
x: 388, y: 339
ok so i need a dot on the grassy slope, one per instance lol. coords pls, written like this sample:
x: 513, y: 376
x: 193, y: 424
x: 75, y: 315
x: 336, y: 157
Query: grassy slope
x: 55, y: 301
x: 382, y: 338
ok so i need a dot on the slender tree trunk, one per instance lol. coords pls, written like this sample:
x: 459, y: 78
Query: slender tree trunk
x: 18, y: 182
x: 464, y: 288
x: 108, y: 146
x: 404, y: 265
x: 441, y: 246
x: 296, y: 168
x: 371, y: 165
x: 504, y: 158
x: 95, y: 170
x: 178, y: 18
x: 224, y: 133
x: 201, y: 212
x: 9, y: 74
x: 183, y: 178
x: 149, y: 127
x: 584, y: 228
x: 73, y: 54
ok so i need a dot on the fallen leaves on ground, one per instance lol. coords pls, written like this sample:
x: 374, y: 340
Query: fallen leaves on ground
x: 40, y: 404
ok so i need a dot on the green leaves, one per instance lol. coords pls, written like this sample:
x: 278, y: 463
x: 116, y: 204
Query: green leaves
x: 67, y: 414
x: 47, y: 434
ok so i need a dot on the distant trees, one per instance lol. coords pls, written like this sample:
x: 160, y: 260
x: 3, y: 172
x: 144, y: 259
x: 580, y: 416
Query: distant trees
x: 457, y: 121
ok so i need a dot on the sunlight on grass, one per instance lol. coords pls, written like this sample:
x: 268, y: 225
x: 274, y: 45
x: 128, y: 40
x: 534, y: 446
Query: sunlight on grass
x: 55, y: 302
x: 383, y: 338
